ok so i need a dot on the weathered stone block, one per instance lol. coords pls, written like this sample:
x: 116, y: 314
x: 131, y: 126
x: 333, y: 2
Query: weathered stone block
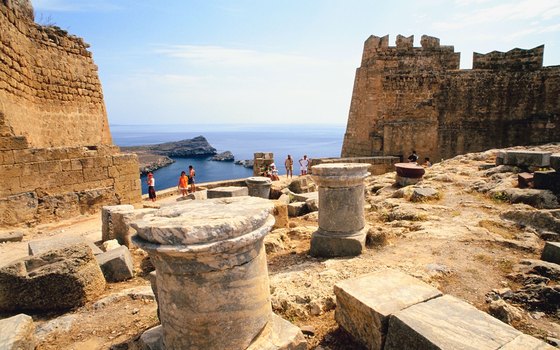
x: 280, y: 213
x: 547, y: 180
x: 551, y: 252
x: 259, y: 186
x: 230, y: 191
x: 113, y: 225
x: 57, y: 280
x: 524, y: 180
x: 15, y: 236
x: 555, y: 161
x: 297, y: 209
x: 527, y: 158
x: 446, y: 323
x: 365, y: 303
x: 302, y: 184
x: 17, y: 333
x: 116, y: 264
x: 38, y: 247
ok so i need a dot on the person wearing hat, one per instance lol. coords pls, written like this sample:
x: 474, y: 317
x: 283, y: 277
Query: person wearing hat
x: 151, y: 187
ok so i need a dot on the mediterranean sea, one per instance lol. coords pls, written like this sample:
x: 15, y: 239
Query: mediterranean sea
x: 317, y: 141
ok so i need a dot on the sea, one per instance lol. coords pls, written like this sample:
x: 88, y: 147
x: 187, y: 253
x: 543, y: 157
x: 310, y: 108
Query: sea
x: 317, y: 141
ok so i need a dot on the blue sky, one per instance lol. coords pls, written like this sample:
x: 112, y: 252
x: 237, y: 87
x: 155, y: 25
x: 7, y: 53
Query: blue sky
x: 259, y: 61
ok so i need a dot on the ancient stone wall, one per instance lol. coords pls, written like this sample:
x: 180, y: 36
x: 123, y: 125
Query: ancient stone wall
x: 56, y: 155
x: 408, y: 97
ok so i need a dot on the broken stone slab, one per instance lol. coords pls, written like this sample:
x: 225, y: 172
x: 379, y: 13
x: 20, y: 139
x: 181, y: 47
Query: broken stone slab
x: 56, y: 280
x: 446, y: 323
x: 527, y: 158
x: 15, y: 236
x: 110, y: 245
x: 303, y: 197
x: 551, y: 252
x: 302, y: 184
x: 229, y: 191
x: 60, y: 324
x: 17, y: 333
x: 278, y: 334
x: 113, y: 225
x: 406, y: 181
x: 365, y: 303
x: 526, y: 342
x: 116, y: 264
x: 500, y: 156
x: 542, y: 199
x: 38, y: 247
x: 297, y: 209
x: 312, y: 204
x: 136, y: 293
x: 542, y: 220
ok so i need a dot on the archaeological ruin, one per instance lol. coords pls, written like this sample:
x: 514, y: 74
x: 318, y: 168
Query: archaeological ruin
x: 57, y: 159
x: 417, y: 98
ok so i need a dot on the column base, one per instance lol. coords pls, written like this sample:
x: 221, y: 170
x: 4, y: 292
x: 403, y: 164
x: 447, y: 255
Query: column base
x: 278, y: 334
x: 326, y: 245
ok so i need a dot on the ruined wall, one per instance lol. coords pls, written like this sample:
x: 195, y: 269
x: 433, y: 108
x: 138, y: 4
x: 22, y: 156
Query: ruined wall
x: 408, y: 97
x: 56, y: 155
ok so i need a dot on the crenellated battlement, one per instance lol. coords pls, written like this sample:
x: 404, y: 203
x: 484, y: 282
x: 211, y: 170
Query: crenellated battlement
x: 416, y: 98
x: 515, y: 59
x: 404, y: 55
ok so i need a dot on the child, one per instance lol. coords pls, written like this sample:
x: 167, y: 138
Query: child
x: 151, y: 187
x: 182, y: 185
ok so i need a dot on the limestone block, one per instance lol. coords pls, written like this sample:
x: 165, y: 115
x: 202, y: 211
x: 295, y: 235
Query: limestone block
x: 365, y: 303
x: 406, y: 181
x: 312, y: 204
x: 280, y: 213
x: 424, y: 194
x: 113, y: 225
x: 555, y: 161
x: 230, y: 191
x: 526, y: 342
x: 14, y: 236
x: 56, y: 280
x: 152, y: 339
x: 116, y: 264
x: 297, y: 209
x: 302, y: 184
x: 17, y: 333
x: 547, y: 180
x: 527, y: 158
x: 327, y: 244
x: 447, y: 323
x: 551, y: 252
x: 38, y: 247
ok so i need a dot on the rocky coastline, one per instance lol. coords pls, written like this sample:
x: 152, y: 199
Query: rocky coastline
x: 156, y: 156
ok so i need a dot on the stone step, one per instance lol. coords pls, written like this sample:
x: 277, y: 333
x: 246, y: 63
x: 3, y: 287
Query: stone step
x: 365, y: 303
x: 229, y: 191
x: 527, y: 158
x: 37, y: 247
x: 447, y: 323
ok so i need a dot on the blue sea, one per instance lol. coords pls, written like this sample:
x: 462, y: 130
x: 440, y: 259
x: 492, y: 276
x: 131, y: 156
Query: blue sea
x: 316, y: 141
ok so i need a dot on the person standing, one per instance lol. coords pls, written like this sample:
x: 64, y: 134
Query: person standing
x: 413, y: 158
x: 191, y: 178
x: 304, y: 163
x: 289, y: 164
x: 151, y: 187
x: 183, y: 183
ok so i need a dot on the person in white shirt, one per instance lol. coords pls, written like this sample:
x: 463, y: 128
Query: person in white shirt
x: 304, y: 163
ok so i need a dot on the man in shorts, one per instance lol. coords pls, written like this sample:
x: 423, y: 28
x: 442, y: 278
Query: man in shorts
x: 191, y: 178
x: 304, y: 163
x: 289, y: 164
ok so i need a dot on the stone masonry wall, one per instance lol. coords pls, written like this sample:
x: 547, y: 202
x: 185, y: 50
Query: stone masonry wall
x: 56, y: 155
x: 408, y: 97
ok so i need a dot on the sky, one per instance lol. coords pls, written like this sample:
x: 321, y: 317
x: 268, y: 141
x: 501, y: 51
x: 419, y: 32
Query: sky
x: 266, y: 62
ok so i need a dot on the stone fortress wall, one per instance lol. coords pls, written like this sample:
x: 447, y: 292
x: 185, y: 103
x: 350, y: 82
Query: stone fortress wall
x: 57, y: 159
x: 408, y: 97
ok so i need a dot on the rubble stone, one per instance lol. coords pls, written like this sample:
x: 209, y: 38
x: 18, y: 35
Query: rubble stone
x: 38, y: 247
x: 116, y: 264
x: 551, y: 252
x: 17, y: 333
x: 56, y: 280
x: 229, y: 191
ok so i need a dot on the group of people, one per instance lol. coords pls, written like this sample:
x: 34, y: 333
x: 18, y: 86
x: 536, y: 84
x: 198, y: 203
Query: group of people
x: 289, y: 164
x: 413, y: 158
x: 185, y: 181
x: 272, y: 171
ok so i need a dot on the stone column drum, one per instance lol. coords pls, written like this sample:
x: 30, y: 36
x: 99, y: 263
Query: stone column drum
x: 342, y: 226
x: 212, y: 277
x: 259, y: 186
